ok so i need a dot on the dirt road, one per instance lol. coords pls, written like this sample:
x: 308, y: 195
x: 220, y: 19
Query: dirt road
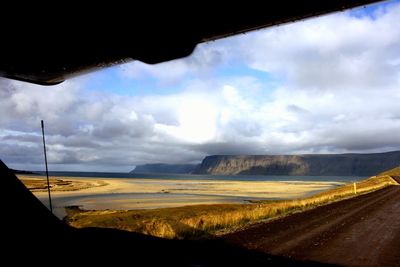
x: 362, y: 231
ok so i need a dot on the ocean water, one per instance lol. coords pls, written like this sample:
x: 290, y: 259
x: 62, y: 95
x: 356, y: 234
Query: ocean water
x: 272, y: 178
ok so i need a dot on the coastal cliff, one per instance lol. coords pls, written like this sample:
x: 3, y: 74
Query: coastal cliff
x: 309, y: 164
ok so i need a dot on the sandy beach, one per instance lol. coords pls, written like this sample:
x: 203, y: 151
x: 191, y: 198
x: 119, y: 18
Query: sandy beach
x: 125, y: 194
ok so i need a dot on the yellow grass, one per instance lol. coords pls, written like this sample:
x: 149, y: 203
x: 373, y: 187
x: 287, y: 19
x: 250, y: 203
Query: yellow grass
x: 392, y: 172
x: 206, y: 220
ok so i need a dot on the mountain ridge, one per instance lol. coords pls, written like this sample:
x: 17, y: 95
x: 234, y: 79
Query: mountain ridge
x: 165, y: 168
x: 347, y: 164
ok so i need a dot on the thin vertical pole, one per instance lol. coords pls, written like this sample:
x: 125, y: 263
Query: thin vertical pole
x: 47, y: 170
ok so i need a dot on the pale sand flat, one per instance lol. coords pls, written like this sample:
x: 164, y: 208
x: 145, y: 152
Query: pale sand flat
x: 174, y: 193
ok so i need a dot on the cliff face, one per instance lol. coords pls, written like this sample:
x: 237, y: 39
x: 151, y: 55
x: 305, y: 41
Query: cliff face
x: 164, y: 168
x: 328, y: 164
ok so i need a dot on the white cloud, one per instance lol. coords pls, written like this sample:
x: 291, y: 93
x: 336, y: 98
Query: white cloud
x: 338, y: 89
x: 200, y: 63
x: 167, y: 72
x: 338, y: 52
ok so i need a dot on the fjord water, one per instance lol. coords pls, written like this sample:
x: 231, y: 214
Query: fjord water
x: 138, y: 200
x: 170, y: 176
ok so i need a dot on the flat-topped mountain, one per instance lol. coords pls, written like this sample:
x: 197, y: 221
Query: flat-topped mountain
x: 164, y: 168
x: 308, y: 164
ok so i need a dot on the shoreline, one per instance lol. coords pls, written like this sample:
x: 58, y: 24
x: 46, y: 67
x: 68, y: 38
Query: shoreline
x: 134, y: 194
x: 203, y: 221
x: 260, y: 189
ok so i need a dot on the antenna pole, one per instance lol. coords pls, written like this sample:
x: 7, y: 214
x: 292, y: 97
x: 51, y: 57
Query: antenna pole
x: 47, y: 170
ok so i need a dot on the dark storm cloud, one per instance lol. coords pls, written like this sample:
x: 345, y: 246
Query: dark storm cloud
x: 19, y: 153
x: 230, y: 148
x: 116, y: 129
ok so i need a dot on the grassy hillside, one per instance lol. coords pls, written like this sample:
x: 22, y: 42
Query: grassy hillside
x: 205, y: 220
x: 392, y: 172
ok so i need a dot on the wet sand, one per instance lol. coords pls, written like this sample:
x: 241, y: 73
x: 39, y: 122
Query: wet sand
x: 125, y: 194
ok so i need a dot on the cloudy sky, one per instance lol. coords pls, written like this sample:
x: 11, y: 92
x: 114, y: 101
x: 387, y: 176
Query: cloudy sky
x: 324, y: 85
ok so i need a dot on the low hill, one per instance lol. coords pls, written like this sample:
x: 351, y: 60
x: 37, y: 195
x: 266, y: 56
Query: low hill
x: 21, y: 172
x: 165, y: 168
x: 392, y: 172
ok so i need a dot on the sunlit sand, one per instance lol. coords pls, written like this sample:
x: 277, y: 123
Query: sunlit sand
x: 125, y: 194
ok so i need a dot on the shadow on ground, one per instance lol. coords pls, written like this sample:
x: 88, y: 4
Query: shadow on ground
x: 32, y: 235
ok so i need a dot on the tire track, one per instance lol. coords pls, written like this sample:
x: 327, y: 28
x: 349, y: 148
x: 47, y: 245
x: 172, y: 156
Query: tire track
x: 357, y: 231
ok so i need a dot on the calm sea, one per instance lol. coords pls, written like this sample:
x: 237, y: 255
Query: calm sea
x: 208, y: 177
